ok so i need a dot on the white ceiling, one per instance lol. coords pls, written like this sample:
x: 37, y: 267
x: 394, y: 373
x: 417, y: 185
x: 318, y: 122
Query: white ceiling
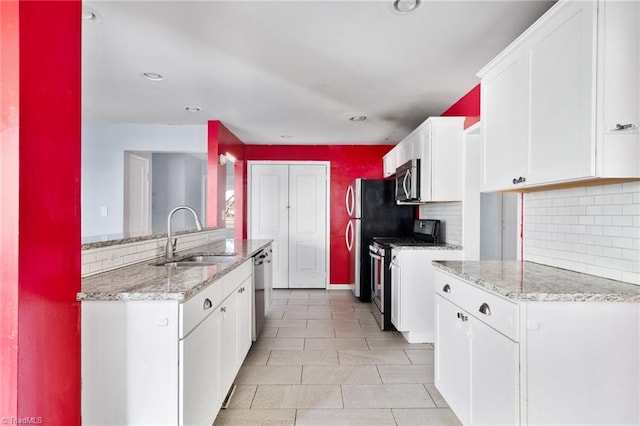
x: 297, y: 69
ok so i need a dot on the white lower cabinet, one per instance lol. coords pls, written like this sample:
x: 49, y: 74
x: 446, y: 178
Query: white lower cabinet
x: 165, y: 362
x: 412, y: 290
x: 229, y: 310
x: 451, y: 357
x: 244, y: 319
x: 502, y: 362
x: 494, y: 372
x: 236, y: 331
x: 477, y: 367
x: 201, y: 372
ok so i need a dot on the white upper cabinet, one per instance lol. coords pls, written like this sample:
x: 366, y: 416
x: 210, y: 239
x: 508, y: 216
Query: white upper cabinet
x: 441, y: 159
x: 502, y: 121
x: 437, y: 143
x: 390, y: 162
x: 561, y: 103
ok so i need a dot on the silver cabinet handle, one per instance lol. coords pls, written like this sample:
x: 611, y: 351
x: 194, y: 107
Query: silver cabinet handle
x: 623, y: 126
x: 223, y: 309
x: 484, y: 309
x: 207, y: 304
x: 446, y: 288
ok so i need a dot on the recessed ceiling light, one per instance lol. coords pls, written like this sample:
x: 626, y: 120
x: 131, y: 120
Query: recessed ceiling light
x: 153, y: 76
x: 358, y: 118
x: 405, y: 6
x: 192, y: 109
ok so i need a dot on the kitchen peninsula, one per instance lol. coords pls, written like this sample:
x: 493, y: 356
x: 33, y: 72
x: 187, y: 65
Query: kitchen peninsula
x: 160, y: 338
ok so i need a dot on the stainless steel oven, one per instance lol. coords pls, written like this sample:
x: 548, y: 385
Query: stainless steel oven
x: 381, y: 283
x: 425, y: 232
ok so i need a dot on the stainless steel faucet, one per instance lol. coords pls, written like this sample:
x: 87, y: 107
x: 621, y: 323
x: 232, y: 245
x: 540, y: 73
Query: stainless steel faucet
x: 170, y: 250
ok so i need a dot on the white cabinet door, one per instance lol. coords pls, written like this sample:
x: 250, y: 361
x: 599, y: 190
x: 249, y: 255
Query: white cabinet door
x: 416, y: 145
x: 410, y: 147
x: 230, y: 326
x: 452, y: 362
x: 390, y: 162
x: 502, y: 93
x: 426, y: 160
x: 440, y: 154
x: 396, y: 296
x: 619, y: 88
x: 244, y: 319
x: 560, y: 59
x: 495, y: 384
x: 201, y: 391
x: 307, y: 226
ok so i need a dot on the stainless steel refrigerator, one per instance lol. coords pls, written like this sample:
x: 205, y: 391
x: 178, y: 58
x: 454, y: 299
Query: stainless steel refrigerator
x: 373, y: 212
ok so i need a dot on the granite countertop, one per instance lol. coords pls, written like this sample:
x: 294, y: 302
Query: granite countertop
x: 528, y: 281
x: 146, y: 281
x: 426, y: 247
x: 112, y: 240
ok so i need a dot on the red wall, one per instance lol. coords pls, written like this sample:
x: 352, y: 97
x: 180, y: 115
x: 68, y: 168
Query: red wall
x: 467, y: 106
x: 40, y: 211
x: 347, y: 163
x: 222, y: 141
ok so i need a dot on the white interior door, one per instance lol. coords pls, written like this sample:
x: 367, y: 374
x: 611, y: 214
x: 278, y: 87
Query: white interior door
x: 307, y: 226
x: 269, y: 189
x: 288, y: 204
x: 137, y: 218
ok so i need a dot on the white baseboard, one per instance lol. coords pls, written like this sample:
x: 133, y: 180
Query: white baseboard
x: 340, y: 287
x: 418, y: 337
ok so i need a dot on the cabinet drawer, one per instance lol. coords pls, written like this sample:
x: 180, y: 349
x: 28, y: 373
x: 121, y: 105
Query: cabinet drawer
x: 492, y: 309
x: 199, y: 306
x: 233, y: 279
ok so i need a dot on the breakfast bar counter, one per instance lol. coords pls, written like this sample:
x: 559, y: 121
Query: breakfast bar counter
x: 152, y: 280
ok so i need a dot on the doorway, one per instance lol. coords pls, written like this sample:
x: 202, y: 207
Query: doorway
x: 288, y: 203
x: 136, y: 206
x: 498, y: 226
x: 155, y: 183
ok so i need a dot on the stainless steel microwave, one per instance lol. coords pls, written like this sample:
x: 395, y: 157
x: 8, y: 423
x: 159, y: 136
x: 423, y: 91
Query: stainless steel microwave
x: 408, y: 181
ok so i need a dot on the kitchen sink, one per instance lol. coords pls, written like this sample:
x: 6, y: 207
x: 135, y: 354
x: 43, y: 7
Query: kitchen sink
x: 202, y: 259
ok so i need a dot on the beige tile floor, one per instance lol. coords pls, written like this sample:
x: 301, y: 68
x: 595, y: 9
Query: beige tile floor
x: 321, y: 359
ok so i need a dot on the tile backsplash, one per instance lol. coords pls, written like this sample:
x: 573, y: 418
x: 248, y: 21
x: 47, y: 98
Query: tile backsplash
x: 102, y: 259
x: 593, y: 229
x: 450, y: 216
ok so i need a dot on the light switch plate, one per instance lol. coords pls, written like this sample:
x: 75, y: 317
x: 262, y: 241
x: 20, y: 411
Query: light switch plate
x: 104, y: 211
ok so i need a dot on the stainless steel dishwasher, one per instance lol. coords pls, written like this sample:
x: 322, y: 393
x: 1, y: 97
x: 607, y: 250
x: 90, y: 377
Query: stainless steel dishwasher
x: 263, y: 284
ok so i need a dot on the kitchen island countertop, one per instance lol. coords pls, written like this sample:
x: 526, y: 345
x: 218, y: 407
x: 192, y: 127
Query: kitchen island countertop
x: 528, y: 281
x: 146, y: 281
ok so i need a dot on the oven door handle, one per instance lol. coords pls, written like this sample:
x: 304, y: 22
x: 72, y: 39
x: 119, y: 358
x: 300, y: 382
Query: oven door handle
x: 375, y: 256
